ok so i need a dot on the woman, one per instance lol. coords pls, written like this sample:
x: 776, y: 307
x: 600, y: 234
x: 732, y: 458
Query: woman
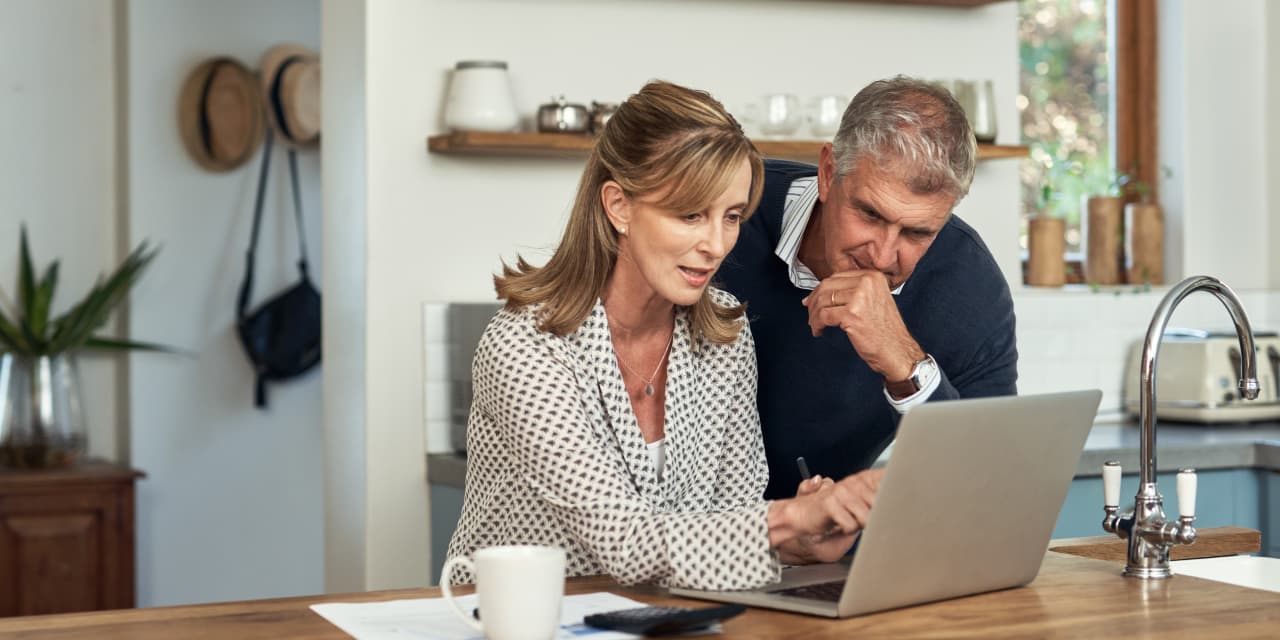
x: 614, y: 395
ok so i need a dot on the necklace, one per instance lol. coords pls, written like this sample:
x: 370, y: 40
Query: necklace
x: 648, y: 383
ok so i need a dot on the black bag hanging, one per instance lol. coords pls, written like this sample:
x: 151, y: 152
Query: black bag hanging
x: 281, y: 336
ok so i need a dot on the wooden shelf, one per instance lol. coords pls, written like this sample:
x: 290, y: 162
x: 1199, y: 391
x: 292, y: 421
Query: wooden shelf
x: 511, y: 144
x: 937, y: 3
x: 568, y: 145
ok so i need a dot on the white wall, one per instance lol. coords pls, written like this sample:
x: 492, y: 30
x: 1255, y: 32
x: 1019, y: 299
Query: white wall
x: 1172, y: 141
x: 58, y: 166
x: 615, y: 48
x: 232, y: 507
x: 1222, y: 90
x: 345, y: 196
x: 1272, y: 139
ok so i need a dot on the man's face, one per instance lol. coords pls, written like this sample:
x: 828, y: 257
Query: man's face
x: 871, y: 220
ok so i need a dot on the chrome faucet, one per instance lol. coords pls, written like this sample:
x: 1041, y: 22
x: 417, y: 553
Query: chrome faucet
x: 1151, y: 535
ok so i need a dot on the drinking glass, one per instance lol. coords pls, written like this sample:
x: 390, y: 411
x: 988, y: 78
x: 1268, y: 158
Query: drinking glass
x: 777, y: 114
x: 983, y: 116
x: 824, y: 115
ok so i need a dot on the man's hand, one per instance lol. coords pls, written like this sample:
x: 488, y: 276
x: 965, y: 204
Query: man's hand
x: 860, y: 303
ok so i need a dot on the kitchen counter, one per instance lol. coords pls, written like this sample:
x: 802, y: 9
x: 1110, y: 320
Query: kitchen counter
x: 1227, y: 446
x: 1071, y: 597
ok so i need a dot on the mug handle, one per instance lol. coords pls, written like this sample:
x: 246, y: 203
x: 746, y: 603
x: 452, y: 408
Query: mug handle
x: 445, y: 574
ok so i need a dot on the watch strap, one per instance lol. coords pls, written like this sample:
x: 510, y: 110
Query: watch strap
x: 912, y: 385
x: 902, y: 388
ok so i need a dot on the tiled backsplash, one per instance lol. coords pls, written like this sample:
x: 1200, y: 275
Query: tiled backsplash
x: 435, y: 356
x: 1081, y: 339
x: 450, y: 334
x: 1066, y: 340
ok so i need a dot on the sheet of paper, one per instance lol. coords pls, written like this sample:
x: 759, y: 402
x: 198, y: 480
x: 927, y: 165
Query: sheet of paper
x: 431, y: 618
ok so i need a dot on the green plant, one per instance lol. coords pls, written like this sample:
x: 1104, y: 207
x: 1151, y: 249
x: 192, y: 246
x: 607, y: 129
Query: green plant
x: 27, y: 329
x: 1124, y: 183
x: 1060, y: 181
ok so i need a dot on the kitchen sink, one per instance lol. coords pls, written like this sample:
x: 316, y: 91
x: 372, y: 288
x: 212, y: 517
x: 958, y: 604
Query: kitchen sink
x: 1255, y: 572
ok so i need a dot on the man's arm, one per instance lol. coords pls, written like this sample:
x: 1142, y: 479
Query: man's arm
x: 992, y: 370
x: 860, y: 304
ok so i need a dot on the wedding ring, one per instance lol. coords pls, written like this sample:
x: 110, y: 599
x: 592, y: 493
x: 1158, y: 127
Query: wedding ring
x: 833, y: 299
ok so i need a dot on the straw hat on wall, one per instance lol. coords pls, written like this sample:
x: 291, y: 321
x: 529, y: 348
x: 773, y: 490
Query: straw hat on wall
x: 291, y: 91
x: 220, y: 114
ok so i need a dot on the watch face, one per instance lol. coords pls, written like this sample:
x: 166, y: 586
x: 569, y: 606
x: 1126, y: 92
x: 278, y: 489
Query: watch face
x: 923, y: 372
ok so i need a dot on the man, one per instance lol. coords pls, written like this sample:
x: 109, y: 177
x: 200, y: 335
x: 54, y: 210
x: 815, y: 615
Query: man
x: 866, y: 295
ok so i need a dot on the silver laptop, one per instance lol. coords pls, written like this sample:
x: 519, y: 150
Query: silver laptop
x: 969, y: 499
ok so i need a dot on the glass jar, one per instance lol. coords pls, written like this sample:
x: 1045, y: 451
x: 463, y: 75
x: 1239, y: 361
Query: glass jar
x: 41, y: 412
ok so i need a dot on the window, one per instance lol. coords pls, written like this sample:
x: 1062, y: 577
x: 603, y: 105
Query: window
x: 1087, y: 104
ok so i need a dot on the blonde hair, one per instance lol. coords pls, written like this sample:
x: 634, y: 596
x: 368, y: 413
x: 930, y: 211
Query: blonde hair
x: 666, y: 138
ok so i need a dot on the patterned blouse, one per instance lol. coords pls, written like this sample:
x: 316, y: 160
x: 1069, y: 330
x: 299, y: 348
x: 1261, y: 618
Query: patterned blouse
x: 555, y: 457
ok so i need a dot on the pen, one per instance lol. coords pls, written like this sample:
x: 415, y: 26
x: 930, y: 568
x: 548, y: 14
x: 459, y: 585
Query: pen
x: 804, y: 468
x: 804, y: 477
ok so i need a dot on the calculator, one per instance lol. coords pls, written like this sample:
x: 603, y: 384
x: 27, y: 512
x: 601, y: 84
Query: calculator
x: 657, y: 621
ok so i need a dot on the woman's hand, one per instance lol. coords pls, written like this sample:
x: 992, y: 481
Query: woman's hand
x: 824, y: 518
x: 826, y: 547
x: 812, y: 485
x: 813, y: 549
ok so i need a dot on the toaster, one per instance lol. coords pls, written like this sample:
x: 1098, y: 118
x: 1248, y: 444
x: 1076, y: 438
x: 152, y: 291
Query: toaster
x: 1198, y: 374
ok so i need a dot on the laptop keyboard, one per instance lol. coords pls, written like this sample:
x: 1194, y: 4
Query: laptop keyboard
x: 825, y: 591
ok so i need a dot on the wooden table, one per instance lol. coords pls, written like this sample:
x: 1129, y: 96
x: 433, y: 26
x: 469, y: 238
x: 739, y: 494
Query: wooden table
x: 1072, y: 597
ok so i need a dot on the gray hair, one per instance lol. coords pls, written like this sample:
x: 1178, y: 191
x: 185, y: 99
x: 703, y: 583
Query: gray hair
x: 913, y: 128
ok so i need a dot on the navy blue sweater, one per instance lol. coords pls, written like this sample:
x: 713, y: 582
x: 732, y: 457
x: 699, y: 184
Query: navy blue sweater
x: 817, y: 398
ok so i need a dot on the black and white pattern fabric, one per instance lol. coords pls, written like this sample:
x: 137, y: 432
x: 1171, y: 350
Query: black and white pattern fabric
x: 555, y: 457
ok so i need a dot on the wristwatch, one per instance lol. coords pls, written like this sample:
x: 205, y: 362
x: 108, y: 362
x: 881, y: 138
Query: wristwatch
x: 921, y: 375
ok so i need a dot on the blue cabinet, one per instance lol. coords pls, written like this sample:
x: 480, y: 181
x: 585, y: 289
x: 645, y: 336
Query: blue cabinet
x: 1228, y: 497
x: 446, y: 506
x: 1270, y: 481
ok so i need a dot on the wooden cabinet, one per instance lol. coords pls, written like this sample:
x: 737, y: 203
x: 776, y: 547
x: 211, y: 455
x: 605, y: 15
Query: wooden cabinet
x: 66, y: 539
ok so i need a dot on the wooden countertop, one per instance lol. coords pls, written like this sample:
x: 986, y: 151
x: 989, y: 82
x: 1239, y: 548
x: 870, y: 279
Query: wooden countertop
x: 1072, y: 597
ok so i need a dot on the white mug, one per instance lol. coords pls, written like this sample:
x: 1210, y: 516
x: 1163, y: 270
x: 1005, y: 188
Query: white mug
x: 518, y: 591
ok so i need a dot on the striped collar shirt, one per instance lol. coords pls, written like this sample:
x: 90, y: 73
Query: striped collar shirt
x: 796, y: 209
x: 802, y: 195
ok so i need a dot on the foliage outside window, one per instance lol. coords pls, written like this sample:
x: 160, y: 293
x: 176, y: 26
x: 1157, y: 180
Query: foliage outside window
x: 1065, y: 102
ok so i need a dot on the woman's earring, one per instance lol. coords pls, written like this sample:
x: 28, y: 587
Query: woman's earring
x: 622, y: 231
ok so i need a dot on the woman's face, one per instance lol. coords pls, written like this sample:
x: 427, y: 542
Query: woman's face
x: 676, y: 253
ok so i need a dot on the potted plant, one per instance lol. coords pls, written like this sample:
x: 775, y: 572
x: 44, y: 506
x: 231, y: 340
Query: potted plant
x: 42, y: 418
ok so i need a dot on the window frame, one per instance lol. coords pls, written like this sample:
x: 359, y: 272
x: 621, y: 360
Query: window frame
x: 1137, y: 112
x: 1135, y: 121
